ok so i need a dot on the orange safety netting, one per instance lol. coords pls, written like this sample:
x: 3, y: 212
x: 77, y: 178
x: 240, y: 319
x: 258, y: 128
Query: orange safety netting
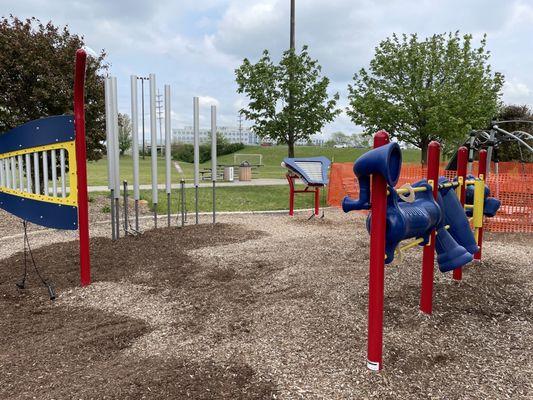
x: 513, y: 187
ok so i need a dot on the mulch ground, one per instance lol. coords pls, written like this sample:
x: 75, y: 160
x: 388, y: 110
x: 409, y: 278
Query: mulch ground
x: 261, y: 307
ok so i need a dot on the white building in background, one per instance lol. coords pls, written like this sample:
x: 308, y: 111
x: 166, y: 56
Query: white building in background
x: 232, y: 135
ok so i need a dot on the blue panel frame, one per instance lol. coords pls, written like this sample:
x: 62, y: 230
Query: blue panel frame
x: 51, y: 215
x: 40, y: 132
x: 290, y: 163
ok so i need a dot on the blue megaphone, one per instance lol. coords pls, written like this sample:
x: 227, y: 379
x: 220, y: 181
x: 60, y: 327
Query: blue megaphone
x: 386, y: 161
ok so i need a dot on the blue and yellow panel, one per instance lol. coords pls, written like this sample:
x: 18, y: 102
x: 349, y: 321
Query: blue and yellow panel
x: 43, y: 135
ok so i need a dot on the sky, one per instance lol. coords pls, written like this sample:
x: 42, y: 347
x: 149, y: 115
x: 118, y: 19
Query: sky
x: 195, y: 45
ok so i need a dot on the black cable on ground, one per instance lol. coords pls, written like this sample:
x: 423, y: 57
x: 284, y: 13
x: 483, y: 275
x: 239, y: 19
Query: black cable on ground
x: 21, y: 285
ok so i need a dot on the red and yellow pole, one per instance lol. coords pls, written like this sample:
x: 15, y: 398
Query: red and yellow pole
x: 482, y: 172
x: 462, y: 165
x: 428, y: 258
x: 81, y: 163
x: 376, y: 280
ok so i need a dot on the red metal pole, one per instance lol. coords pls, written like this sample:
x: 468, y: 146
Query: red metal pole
x: 317, y: 200
x: 428, y: 258
x: 462, y: 165
x: 376, y: 278
x: 81, y: 156
x: 291, y: 194
x: 482, y: 174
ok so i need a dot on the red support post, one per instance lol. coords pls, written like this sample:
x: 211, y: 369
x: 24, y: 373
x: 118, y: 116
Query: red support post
x: 291, y: 194
x: 317, y: 200
x: 81, y: 163
x: 462, y: 164
x: 428, y: 258
x: 376, y: 279
x: 482, y: 174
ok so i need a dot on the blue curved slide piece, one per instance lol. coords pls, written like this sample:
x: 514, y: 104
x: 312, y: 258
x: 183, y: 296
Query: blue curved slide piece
x: 455, y: 217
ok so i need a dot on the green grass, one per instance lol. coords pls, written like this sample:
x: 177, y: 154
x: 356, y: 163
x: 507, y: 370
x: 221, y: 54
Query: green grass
x: 272, y: 158
x: 243, y: 198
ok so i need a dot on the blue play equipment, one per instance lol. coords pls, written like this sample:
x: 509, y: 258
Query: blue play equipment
x: 313, y: 171
x: 459, y: 228
x: 491, y: 205
x: 417, y: 216
x: 386, y: 161
x: 407, y: 220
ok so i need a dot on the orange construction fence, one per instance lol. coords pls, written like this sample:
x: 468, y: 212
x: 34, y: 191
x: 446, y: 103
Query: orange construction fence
x: 513, y: 187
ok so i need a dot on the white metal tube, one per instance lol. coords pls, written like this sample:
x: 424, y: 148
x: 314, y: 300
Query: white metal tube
x: 7, y: 163
x: 109, y: 135
x: 45, y: 173
x: 153, y: 137
x: 116, y: 158
x: 54, y: 173
x: 36, y: 174
x: 13, y: 173
x: 213, y: 143
x: 135, y: 136
x: 20, y: 165
x: 63, y: 175
x: 28, y: 172
x: 167, y: 138
x: 196, y: 129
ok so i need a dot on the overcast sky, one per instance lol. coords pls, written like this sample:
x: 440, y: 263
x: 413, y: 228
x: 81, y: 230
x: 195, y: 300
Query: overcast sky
x: 195, y: 45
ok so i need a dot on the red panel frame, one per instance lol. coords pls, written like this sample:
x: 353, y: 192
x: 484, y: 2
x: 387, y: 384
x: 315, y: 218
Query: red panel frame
x: 81, y: 161
x: 291, y: 178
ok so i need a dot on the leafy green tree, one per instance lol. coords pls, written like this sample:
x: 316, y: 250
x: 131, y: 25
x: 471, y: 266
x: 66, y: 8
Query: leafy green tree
x: 288, y: 101
x: 37, y: 77
x: 359, y: 140
x: 124, y: 133
x: 438, y: 88
x: 341, y: 138
x: 512, y: 150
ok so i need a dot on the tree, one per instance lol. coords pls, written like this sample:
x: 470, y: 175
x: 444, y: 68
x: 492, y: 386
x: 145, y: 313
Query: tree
x: 512, y: 150
x: 341, y: 138
x: 37, y: 76
x: 124, y: 133
x: 288, y: 101
x: 359, y: 140
x: 438, y: 88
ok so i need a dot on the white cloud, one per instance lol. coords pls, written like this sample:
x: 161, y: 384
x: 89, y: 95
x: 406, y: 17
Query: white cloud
x: 196, y: 45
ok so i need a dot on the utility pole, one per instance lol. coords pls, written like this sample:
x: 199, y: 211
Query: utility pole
x: 142, y: 79
x: 291, y: 78
x: 159, y: 102
x: 292, y: 44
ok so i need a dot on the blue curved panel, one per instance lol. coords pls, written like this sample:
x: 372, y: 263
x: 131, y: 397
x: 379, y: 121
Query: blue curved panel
x: 312, y: 170
x: 51, y: 215
x: 40, y: 132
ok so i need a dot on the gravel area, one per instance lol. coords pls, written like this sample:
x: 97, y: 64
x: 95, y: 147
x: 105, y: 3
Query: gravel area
x: 259, y: 307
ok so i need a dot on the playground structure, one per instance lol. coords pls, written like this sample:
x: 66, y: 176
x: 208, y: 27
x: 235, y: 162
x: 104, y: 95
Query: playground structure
x: 114, y: 180
x: 429, y: 211
x: 30, y: 186
x: 313, y: 172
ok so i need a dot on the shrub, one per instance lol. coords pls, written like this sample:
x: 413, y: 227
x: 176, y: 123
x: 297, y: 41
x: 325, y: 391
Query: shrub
x: 185, y: 152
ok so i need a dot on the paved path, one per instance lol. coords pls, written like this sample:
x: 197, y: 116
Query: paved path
x: 254, y: 182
